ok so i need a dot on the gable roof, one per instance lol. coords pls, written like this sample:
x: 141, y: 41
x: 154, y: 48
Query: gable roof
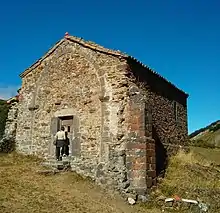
x: 98, y: 48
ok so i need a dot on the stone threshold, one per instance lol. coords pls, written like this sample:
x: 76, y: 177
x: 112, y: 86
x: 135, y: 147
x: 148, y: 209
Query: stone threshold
x: 60, y: 165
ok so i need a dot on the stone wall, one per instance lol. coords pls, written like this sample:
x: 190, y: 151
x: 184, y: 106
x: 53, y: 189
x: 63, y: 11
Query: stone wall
x: 140, y: 153
x: 11, y: 122
x: 92, y: 87
x: 167, y: 107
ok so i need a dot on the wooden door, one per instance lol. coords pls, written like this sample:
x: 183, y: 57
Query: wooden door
x: 55, y: 126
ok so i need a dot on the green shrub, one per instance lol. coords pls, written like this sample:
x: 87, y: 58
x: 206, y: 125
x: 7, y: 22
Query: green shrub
x: 215, y: 128
x: 3, y: 116
x: 7, y: 145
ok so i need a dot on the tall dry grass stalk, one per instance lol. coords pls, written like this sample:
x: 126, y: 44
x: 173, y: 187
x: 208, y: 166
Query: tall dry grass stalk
x: 190, y: 158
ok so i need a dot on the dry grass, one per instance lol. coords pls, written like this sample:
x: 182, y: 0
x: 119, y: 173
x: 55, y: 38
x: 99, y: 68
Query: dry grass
x: 194, y: 177
x: 213, y: 155
x: 22, y: 190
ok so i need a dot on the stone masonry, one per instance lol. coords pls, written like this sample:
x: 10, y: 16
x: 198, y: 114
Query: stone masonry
x: 125, y: 118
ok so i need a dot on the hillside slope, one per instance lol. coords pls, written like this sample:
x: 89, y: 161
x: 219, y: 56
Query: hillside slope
x: 194, y: 175
x: 23, y: 190
x: 208, y: 136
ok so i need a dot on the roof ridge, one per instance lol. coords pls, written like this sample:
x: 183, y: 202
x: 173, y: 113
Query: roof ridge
x: 95, y: 46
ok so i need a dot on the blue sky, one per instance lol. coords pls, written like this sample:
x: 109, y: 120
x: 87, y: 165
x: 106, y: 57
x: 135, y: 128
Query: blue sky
x: 179, y: 39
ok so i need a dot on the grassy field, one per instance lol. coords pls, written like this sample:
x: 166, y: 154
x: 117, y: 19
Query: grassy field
x: 212, y: 155
x: 208, y: 136
x: 194, y: 176
x: 23, y: 190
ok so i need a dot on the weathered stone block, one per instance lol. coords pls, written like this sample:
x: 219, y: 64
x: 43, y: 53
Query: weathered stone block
x: 152, y: 166
x: 151, y: 173
x: 149, y: 182
x: 139, y: 166
x: 151, y: 153
x: 154, y: 181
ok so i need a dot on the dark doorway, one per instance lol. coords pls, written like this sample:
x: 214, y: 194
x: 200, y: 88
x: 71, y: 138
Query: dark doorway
x: 71, y: 125
x: 161, y: 154
x: 67, y: 122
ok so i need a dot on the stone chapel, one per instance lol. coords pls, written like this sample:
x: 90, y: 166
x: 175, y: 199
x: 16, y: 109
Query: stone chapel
x: 123, y: 119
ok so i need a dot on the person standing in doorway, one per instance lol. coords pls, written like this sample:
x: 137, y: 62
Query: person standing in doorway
x: 60, y: 139
x: 65, y: 148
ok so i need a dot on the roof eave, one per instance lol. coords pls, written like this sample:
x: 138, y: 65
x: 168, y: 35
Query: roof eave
x: 158, y: 75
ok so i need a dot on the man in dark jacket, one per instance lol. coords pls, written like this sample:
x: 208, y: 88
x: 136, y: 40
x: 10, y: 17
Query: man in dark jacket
x: 60, y: 139
x: 65, y: 148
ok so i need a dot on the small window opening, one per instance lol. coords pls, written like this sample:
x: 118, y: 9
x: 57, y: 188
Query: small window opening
x: 68, y: 128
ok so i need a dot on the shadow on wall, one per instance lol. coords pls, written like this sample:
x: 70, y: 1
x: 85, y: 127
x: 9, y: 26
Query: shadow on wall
x: 161, y: 154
